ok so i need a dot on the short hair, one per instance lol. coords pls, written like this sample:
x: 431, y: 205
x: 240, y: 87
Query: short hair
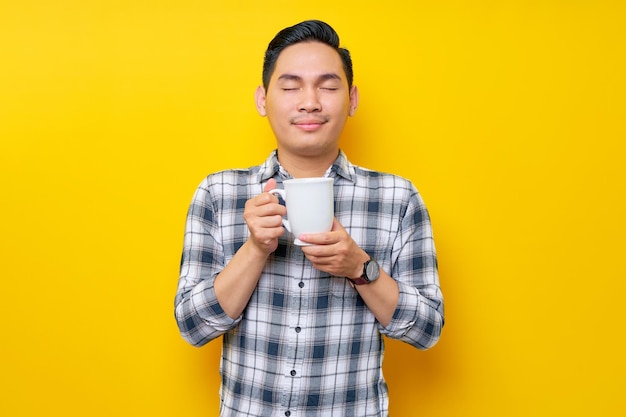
x: 307, y: 31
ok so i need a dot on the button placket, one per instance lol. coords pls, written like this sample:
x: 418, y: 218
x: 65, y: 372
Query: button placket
x: 297, y: 305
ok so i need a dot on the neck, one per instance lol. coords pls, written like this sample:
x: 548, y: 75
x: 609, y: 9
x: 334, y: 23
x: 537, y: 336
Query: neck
x: 306, y: 166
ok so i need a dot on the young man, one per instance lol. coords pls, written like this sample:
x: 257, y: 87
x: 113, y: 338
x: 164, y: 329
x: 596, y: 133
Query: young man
x: 303, y: 326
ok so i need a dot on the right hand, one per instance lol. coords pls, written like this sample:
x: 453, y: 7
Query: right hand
x: 264, y: 214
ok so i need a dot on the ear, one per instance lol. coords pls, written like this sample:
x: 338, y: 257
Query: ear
x: 354, y: 100
x: 259, y: 98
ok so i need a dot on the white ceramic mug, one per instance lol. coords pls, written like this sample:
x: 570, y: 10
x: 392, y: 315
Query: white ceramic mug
x: 310, y: 206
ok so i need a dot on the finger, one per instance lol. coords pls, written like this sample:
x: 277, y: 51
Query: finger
x: 326, y: 238
x: 270, y: 185
x: 336, y: 225
x: 317, y: 238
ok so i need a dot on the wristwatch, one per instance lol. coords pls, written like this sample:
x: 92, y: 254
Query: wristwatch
x: 371, y: 271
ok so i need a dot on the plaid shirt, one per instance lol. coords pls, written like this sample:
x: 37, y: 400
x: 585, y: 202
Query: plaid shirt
x: 307, y: 345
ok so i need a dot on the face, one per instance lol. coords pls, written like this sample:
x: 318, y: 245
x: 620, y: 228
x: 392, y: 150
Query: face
x: 307, y: 101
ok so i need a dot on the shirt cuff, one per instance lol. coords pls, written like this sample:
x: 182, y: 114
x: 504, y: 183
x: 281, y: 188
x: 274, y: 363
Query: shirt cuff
x: 406, y: 313
x: 208, y: 308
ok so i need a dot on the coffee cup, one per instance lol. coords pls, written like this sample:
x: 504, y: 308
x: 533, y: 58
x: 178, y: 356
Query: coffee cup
x: 310, y: 206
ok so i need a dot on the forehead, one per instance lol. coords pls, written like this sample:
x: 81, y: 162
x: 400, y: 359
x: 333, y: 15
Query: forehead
x: 308, y: 59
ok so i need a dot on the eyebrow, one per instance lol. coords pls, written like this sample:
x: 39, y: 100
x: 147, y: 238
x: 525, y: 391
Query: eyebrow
x: 321, y: 78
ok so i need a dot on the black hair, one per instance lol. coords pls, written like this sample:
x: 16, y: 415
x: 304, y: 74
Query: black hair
x: 307, y: 31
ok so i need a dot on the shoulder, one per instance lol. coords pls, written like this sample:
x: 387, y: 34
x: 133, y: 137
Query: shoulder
x: 238, y: 177
x: 383, y: 180
x: 235, y: 177
x: 229, y: 177
x: 228, y: 185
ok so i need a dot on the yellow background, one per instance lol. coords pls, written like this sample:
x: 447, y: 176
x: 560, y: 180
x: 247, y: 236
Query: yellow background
x: 509, y: 117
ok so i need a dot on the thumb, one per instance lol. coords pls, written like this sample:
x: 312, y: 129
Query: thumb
x: 270, y: 185
x: 337, y: 226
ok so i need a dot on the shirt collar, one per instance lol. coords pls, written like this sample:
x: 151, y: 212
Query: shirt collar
x: 343, y: 168
x: 271, y: 167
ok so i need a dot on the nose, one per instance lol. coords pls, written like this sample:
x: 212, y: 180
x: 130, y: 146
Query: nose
x: 310, y: 101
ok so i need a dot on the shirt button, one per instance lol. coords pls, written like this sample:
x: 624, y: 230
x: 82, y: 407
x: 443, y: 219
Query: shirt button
x: 287, y: 413
x: 293, y: 372
x: 298, y: 329
x: 301, y: 284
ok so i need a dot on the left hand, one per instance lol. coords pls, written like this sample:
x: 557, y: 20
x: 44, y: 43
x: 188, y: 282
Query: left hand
x: 335, y: 252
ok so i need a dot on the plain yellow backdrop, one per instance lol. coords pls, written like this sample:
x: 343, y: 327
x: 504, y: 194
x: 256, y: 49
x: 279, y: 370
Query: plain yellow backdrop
x: 509, y: 117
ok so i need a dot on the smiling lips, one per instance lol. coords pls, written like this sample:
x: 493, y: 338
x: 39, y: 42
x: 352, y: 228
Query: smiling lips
x: 309, y: 123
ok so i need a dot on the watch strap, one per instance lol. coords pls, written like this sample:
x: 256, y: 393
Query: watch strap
x: 363, y: 279
x: 359, y: 281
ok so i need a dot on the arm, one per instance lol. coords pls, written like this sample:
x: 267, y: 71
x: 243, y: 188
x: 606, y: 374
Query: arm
x: 211, y: 297
x: 338, y: 254
x: 408, y: 306
x: 419, y: 316
x: 236, y: 283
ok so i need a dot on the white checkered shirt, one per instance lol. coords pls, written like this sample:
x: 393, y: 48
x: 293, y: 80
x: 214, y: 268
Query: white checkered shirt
x: 307, y: 345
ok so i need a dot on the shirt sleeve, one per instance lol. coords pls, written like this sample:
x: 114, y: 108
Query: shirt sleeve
x: 419, y: 317
x: 199, y: 316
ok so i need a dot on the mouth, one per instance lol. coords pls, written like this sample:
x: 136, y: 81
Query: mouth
x: 308, y: 123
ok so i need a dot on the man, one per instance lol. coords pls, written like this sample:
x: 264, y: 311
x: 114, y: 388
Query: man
x: 303, y: 326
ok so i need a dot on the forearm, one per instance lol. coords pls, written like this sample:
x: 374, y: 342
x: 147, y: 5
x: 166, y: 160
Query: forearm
x: 206, y: 308
x: 381, y: 297
x: 236, y: 283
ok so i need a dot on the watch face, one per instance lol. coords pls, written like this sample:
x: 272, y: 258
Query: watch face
x: 372, y: 270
